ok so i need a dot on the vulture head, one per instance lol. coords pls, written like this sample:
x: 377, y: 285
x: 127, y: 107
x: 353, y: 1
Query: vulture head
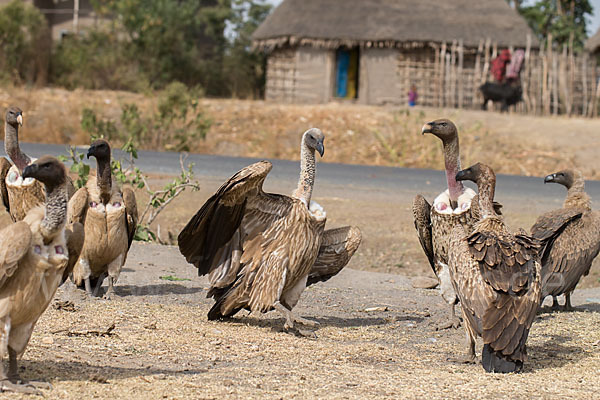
x: 313, y: 138
x: 99, y: 149
x: 565, y: 177
x: 442, y: 128
x: 48, y: 170
x: 14, y: 116
x: 479, y: 173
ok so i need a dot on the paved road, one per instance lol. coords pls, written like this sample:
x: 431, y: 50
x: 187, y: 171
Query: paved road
x: 524, y: 191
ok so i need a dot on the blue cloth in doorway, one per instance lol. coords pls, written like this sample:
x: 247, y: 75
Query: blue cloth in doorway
x: 343, y: 62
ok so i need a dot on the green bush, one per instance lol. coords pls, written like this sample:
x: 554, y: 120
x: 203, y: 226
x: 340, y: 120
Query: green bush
x: 24, y: 44
x: 97, y: 60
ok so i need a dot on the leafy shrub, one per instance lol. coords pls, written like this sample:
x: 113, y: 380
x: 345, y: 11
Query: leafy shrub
x: 24, y: 43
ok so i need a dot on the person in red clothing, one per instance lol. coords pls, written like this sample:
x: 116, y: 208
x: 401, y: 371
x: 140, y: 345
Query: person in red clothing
x: 499, y: 65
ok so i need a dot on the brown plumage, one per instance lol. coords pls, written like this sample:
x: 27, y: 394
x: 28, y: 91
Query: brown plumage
x: 110, y: 217
x: 497, y: 276
x: 19, y: 195
x: 35, y: 253
x: 577, y: 242
x: 259, y: 248
x: 454, y: 206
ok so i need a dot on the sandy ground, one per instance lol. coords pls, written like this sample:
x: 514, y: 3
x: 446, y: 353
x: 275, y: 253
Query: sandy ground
x: 377, y: 339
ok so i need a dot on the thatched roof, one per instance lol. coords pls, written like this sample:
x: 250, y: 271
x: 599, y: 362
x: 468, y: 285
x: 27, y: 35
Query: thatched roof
x: 392, y: 23
x: 593, y: 43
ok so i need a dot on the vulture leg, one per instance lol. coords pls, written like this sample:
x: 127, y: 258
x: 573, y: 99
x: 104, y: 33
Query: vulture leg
x: 453, y: 322
x: 555, y: 305
x: 114, y: 269
x: 469, y: 357
x: 290, y: 318
x: 110, y: 293
x: 14, y: 383
x: 99, y: 285
x: 568, y: 306
x: 88, y: 286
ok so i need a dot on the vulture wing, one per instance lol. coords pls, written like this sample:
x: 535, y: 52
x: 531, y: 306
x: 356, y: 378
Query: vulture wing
x: 131, y: 212
x: 337, y: 247
x: 15, y: 241
x: 422, y: 218
x: 4, y: 167
x: 78, y: 205
x: 237, y: 212
x: 75, y: 235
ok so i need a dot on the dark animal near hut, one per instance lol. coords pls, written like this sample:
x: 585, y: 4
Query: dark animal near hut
x: 504, y: 93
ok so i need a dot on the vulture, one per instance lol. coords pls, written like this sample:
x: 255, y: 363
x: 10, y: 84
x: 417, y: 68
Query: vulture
x: 454, y: 206
x: 497, y: 277
x: 35, y: 254
x: 109, y: 216
x: 19, y: 194
x: 577, y: 242
x: 260, y: 249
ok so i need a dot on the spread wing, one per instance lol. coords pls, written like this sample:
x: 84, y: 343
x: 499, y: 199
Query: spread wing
x: 78, y: 205
x: 337, y: 247
x: 75, y: 236
x: 550, y: 225
x: 4, y: 167
x: 131, y: 213
x: 422, y: 218
x: 212, y: 239
x: 15, y: 241
x: 70, y: 187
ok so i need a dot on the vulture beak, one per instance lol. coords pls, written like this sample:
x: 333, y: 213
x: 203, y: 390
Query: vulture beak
x: 91, y: 151
x: 427, y: 128
x: 321, y: 148
x: 30, y: 171
x: 549, y: 178
x: 464, y: 175
x: 20, y: 119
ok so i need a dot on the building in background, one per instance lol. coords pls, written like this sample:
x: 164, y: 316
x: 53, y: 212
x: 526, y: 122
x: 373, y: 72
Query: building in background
x: 373, y: 51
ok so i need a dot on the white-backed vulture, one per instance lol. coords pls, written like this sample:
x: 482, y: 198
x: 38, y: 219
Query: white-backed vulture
x: 260, y: 248
x: 497, y: 277
x: 19, y: 195
x: 453, y: 206
x: 110, y: 217
x: 35, y: 254
x: 577, y: 242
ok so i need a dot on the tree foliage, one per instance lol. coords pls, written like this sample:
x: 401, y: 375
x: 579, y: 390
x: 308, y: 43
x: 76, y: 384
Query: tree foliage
x: 566, y: 20
x: 23, y: 43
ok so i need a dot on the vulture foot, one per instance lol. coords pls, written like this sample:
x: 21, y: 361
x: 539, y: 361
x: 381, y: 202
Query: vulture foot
x: 555, y: 305
x: 21, y: 387
x: 290, y: 318
x: 568, y: 306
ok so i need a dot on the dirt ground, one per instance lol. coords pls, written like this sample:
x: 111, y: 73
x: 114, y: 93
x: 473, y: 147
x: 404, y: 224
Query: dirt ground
x: 377, y: 339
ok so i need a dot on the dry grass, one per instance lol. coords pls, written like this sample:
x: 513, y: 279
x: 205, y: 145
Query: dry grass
x: 357, y: 134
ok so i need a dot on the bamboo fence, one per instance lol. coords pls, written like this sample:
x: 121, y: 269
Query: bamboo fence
x: 554, y: 81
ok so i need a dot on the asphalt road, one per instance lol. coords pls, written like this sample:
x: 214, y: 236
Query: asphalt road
x: 526, y: 192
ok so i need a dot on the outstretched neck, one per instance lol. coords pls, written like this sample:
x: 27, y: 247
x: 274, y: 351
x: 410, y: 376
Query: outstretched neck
x: 11, y: 146
x: 55, y: 213
x: 104, y: 179
x: 452, y: 165
x: 307, y: 174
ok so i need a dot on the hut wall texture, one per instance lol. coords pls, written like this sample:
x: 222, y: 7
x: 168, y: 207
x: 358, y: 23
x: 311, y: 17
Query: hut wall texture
x: 378, y: 78
x: 314, y: 68
x: 446, y: 75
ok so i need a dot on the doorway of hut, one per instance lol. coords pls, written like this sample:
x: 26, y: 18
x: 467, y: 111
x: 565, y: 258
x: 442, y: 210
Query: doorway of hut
x: 346, y: 73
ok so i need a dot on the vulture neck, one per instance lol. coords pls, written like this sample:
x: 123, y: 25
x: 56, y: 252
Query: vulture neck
x: 576, y: 196
x: 104, y: 179
x: 486, y: 189
x: 307, y: 174
x: 11, y: 146
x: 452, y: 164
x: 56, y: 212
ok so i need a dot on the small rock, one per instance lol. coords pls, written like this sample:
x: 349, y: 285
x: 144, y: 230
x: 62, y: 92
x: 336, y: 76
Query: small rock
x: 423, y: 282
x: 372, y: 309
x: 47, y: 340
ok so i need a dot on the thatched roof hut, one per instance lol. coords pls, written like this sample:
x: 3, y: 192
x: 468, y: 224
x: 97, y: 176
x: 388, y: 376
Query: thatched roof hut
x: 372, y: 51
x: 592, y: 45
x: 391, y: 23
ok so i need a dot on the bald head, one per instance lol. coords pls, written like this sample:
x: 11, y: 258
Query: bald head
x: 48, y: 170
x: 442, y: 128
x: 14, y: 116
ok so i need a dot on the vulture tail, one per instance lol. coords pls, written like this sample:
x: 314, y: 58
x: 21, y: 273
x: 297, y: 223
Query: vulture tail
x: 495, y: 362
